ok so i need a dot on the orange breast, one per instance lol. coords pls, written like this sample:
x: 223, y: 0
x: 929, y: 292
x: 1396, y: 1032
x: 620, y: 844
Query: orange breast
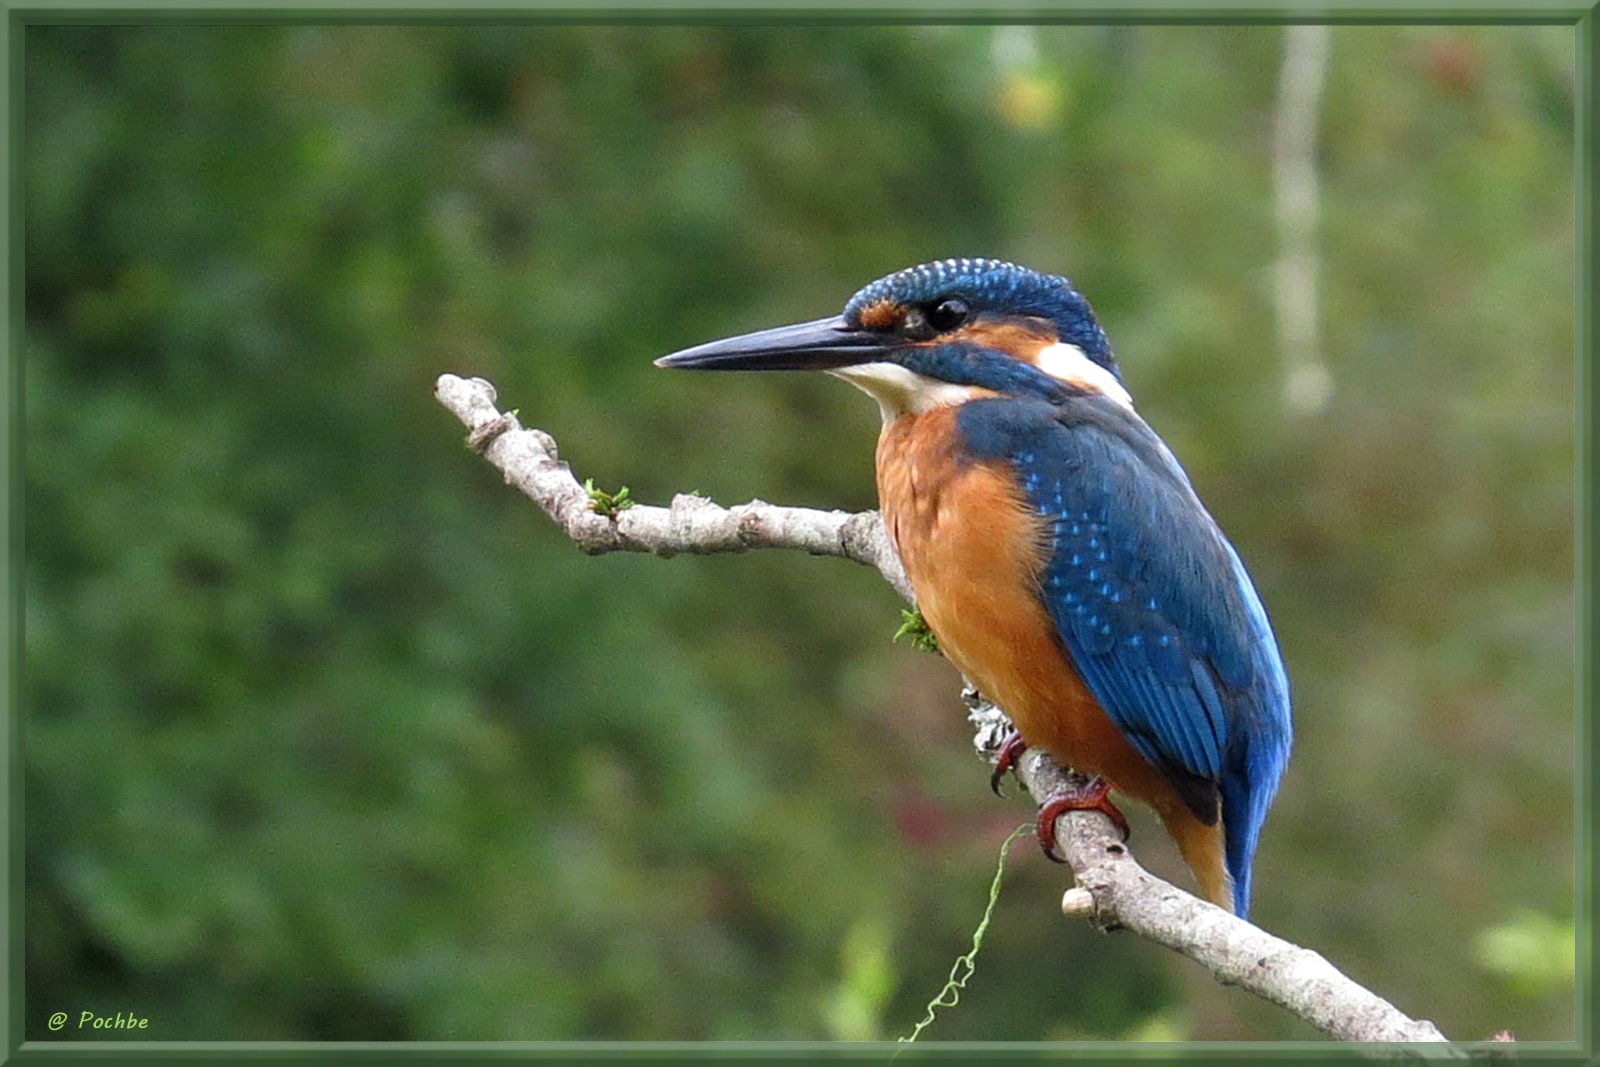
x: 973, y: 548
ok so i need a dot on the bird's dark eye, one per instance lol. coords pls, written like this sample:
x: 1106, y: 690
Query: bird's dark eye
x: 948, y: 314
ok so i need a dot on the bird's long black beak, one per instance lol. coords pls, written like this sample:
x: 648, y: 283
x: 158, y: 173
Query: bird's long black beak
x: 825, y: 344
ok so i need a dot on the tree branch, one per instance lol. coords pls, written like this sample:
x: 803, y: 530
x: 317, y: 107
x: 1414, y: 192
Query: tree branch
x: 1112, y: 890
x: 692, y: 524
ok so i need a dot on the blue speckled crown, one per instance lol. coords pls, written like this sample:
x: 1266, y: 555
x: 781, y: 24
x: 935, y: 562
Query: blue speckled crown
x: 998, y: 286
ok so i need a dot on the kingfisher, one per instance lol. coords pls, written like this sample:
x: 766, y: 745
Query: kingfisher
x: 1057, y: 549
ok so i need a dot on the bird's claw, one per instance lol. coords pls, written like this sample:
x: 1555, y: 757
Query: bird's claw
x: 1006, y: 758
x: 1092, y: 797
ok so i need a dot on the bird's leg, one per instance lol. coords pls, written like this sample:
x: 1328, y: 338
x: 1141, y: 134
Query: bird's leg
x: 1005, y: 758
x: 1091, y: 797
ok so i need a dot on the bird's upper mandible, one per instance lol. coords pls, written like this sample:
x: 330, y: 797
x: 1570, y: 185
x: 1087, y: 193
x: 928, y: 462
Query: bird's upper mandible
x: 1056, y: 546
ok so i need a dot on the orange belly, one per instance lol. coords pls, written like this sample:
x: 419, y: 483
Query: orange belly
x: 973, y: 549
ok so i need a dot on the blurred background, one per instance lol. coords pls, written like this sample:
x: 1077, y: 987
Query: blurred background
x: 331, y: 735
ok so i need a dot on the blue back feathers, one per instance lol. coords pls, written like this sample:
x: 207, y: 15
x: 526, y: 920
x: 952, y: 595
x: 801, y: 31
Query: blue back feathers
x: 1151, y: 604
x: 998, y: 286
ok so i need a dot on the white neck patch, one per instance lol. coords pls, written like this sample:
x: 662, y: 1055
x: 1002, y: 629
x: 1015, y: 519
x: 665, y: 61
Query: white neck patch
x: 899, y: 391
x: 1067, y: 363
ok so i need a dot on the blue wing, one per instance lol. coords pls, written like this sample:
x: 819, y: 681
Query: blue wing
x: 1152, y: 605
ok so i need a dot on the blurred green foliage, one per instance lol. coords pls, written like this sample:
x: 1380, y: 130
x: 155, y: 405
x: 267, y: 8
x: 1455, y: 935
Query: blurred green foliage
x: 331, y: 735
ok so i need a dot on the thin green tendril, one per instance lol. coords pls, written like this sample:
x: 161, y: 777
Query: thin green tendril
x: 967, y: 964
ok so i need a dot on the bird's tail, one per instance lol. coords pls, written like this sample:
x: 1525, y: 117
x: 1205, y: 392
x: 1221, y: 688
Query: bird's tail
x: 1243, y: 813
x: 1247, y: 790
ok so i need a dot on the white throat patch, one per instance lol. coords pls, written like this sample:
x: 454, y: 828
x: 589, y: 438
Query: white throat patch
x: 1067, y: 363
x: 899, y: 391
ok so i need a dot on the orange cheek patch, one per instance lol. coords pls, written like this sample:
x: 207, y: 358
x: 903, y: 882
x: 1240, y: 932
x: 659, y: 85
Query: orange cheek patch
x: 881, y: 314
x: 1014, y: 339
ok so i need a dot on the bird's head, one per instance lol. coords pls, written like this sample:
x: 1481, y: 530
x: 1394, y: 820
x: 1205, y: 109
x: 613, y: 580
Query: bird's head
x: 938, y: 334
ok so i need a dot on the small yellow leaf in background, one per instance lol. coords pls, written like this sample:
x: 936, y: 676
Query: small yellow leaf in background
x: 1029, y: 101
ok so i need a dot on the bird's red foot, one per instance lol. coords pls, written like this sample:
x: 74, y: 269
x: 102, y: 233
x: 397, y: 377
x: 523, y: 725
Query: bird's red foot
x: 1092, y: 797
x: 1005, y: 759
